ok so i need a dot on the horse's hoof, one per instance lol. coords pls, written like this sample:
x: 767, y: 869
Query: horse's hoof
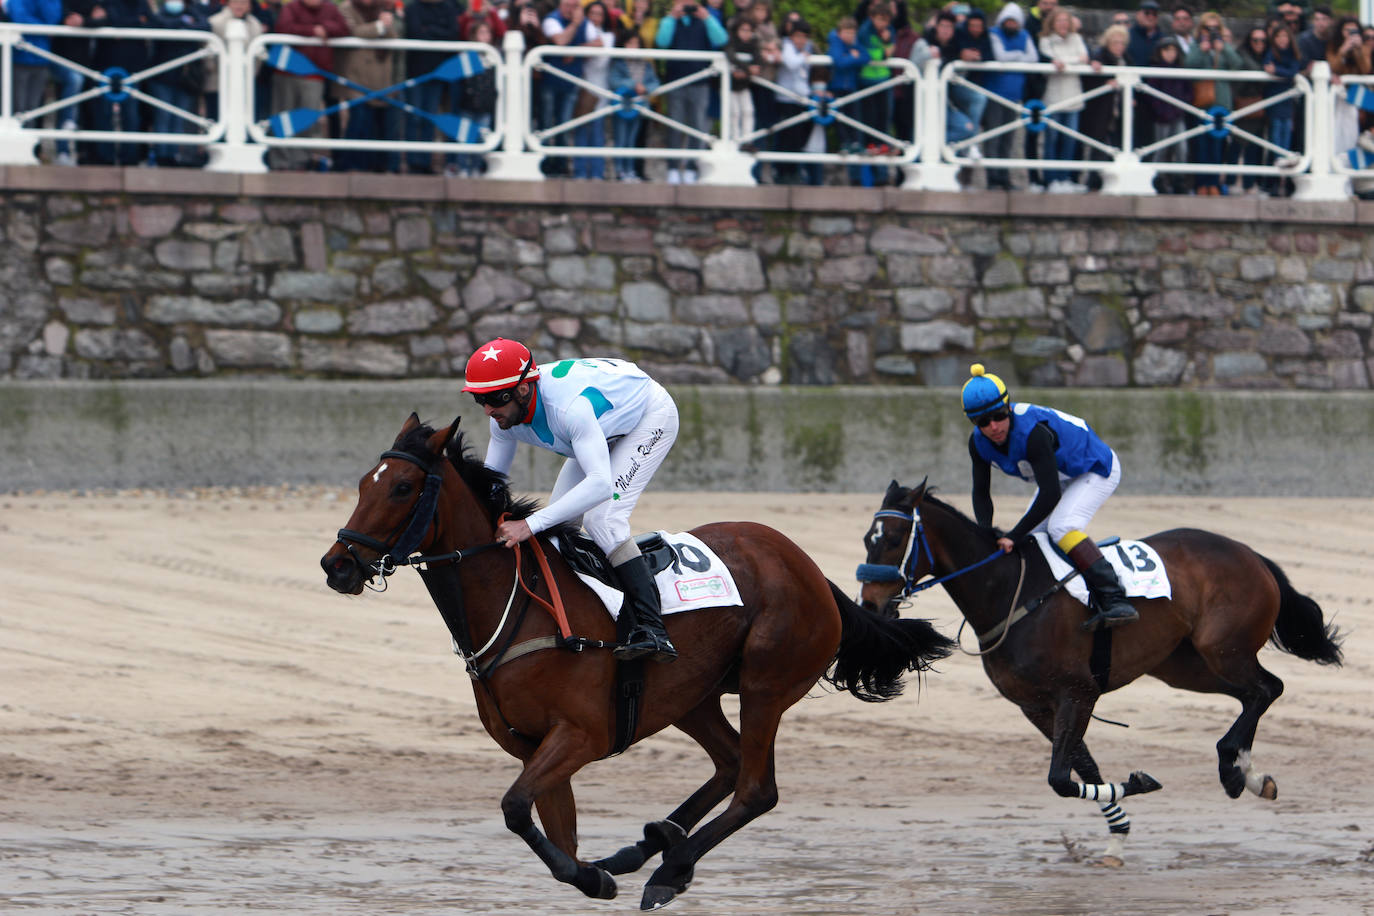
x: 1270, y: 789
x: 1233, y: 781
x: 657, y: 896
x: 1111, y: 862
x: 596, y: 883
x: 1140, y: 783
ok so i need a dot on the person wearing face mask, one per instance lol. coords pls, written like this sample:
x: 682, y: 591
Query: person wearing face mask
x: 180, y: 87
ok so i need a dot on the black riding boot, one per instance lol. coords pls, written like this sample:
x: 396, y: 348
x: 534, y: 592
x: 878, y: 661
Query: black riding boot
x: 1102, y: 582
x: 647, y: 635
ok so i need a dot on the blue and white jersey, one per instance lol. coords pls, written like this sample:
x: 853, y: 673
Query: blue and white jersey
x: 1080, y: 450
x: 581, y: 406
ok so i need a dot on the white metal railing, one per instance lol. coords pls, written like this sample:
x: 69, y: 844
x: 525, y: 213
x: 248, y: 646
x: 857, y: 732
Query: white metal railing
x: 514, y: 146
x: 1133, y: 162
x: 20, y: 130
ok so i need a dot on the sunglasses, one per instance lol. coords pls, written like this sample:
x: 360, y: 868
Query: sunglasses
x: 997, y: 416
x: 494, y: 398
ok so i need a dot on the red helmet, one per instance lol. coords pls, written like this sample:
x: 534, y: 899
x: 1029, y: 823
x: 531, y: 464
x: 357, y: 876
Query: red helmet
x: 498, y: 364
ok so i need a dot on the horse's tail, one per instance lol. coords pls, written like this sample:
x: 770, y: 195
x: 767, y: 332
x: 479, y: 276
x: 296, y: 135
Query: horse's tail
x: 875, y: 651
x: 1300, y: 629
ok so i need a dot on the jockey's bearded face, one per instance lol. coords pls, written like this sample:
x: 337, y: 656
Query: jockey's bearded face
x: 507, y: 406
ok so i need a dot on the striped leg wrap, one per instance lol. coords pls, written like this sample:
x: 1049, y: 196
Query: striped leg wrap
x: 1117, y: 821
x: 1102, y: 792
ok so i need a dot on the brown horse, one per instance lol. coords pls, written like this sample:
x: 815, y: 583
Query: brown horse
x: 1227, y: 602
x: 554, y: 708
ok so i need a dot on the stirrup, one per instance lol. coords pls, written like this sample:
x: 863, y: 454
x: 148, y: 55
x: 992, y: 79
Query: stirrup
x: 1107, y: 619
x: 642, y: 642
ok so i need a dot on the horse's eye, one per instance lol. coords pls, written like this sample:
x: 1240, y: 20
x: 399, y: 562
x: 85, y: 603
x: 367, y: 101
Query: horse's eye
x: 403, y: 488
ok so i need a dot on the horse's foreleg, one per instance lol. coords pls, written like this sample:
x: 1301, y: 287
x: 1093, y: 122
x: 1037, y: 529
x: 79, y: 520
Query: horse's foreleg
x: 545, y: 777
x: 709, y: 727
x: 1118, y: 824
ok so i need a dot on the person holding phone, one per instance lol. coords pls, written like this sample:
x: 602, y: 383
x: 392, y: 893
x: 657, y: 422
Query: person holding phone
x: 688, y: 27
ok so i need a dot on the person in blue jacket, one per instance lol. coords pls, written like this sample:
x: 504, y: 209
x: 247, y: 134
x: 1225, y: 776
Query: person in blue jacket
x: 30, y: 72
x: 1073, y: 469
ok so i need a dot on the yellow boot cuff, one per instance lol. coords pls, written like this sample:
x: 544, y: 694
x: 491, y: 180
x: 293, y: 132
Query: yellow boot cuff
x: 1071, y: 540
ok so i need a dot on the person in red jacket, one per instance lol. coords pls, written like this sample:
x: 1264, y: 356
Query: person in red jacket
x: 488, y: 11
x: 313, y: 19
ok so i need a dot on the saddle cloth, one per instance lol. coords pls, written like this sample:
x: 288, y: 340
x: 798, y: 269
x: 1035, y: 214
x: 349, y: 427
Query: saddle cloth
x: 692, y: 576
x: 1137, y: 565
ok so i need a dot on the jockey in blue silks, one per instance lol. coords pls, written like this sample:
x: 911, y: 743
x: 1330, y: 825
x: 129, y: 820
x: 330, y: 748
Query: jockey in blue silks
x: 1073, y: 469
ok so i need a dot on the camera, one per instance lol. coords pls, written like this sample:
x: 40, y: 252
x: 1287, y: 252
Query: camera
x: 689, y: 9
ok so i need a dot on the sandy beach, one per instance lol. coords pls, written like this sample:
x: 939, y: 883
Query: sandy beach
x: 192, y: 723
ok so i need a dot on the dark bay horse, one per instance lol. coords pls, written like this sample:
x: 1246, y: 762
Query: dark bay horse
x: 554, y: 708
x: 1227, y: 602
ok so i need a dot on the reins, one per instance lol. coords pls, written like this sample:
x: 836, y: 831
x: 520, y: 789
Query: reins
x: 402, y: 553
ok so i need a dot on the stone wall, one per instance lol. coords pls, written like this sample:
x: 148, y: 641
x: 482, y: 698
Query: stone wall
x: 335, y: 277
x: 172, y: 434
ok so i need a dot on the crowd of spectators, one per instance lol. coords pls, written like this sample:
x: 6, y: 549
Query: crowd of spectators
x: 764, y: 48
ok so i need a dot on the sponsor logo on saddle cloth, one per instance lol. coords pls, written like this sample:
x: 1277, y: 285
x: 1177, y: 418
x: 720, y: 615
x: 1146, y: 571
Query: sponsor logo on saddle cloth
x: 1137, y: 566
x: 696, y: 579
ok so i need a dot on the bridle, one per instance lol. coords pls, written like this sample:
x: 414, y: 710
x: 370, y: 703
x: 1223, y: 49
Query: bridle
x: 905, y: 573
x: 917, y: 545
x: 412, y: 531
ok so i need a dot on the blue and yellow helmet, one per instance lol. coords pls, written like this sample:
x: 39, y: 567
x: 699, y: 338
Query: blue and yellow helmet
x: 983, y: 392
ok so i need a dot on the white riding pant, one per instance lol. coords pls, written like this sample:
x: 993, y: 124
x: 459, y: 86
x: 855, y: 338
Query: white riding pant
x: 635, y: 457
x: 1079, y: 501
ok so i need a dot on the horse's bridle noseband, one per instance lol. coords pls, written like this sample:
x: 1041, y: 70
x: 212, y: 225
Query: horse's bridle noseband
x: 413, y: 529
x: 906, y: 572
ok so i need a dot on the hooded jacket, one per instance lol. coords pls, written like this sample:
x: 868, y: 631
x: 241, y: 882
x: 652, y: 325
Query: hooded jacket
x: 1011, y: 47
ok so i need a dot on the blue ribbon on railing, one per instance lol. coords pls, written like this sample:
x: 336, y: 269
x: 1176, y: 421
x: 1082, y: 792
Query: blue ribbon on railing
x: 627, y: 108
x: 820, y: 110
x: 1220, y: 126
x: 1034, y: 116
x: 1362, y: 97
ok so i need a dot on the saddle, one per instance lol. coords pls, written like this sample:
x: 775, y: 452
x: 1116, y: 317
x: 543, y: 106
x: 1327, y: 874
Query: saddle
x: 582, y: 554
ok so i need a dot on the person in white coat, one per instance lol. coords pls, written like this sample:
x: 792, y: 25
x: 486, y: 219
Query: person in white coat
x: 1061, y: 45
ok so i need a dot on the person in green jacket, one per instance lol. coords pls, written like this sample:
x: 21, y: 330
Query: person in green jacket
x: 877, y: 38
x: 1211, y: 50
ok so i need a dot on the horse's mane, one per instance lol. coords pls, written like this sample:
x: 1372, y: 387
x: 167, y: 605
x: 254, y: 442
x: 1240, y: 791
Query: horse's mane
x: 491, y: 488
x: 930, y: 497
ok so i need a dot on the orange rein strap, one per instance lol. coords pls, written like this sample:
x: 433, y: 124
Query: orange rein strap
x: 556, y: 609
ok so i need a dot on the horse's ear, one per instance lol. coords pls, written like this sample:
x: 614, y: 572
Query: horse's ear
x: 441, y: 439
x: 412, y: 421
x: 919, y: 491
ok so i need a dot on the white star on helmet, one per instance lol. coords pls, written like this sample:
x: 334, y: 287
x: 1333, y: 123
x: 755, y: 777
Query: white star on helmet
x: 490, y: 353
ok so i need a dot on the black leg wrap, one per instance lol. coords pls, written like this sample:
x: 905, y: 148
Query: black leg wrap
x: 559, y: 862
x: 658, y: 836
x: 664, y: 834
